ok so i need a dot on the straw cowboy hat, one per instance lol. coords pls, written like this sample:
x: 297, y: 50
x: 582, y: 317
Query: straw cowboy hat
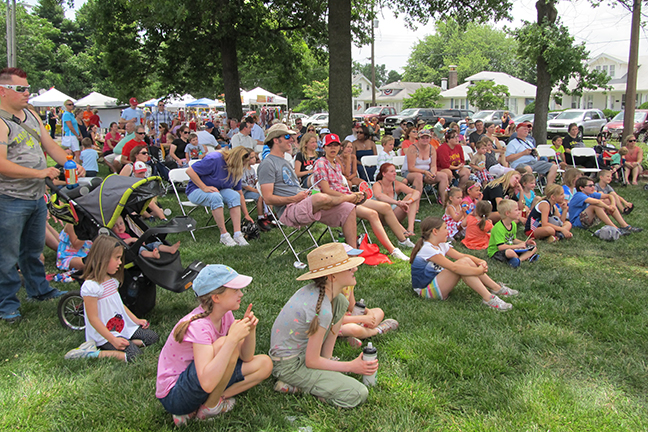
x: 329, y: 259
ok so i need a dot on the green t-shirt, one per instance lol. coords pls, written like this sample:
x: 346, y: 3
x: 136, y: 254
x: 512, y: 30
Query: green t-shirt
x: 501, y: 235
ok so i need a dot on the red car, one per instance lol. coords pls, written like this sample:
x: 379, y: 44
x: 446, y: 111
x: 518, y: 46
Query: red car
x: 614, y: 128
x: 381, y: 112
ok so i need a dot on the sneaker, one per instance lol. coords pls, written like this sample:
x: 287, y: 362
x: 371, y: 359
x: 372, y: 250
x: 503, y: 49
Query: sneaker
x: 354, y: 342
x: 223, y: 406
x: 514, y: 262
x: 505, y: 291
x: 560, y: 236
x: 240, y: 240
x: 396, y: 253
x: 85, y: 350
x: 387, y: 325
x: 12, y: 317
x: 181, y: 420
x: 406, y: 243
x: 623, y: 231
x: 227, y: 240
x: 630, y: 229
x: 264, y: 224
x: 552, y: 239
x: 49, y: 296
x: 283, y: 387
x: 497, y: 303
x: 533, y: 258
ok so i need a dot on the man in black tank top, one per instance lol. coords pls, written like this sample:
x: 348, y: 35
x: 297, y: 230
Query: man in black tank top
x: 23, y: 213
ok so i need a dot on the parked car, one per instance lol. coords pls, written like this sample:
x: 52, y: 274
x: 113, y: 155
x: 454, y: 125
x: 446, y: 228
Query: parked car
x: 590, y: 122
x: 494, y: 116
x: 614, y: 128
x: 428, y: 115
x: 530, y: 117
x: 381, y: 112
x: 319, y: 120
x: 294, y: 117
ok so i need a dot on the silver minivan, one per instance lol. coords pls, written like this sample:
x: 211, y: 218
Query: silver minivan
x: 590, y: 122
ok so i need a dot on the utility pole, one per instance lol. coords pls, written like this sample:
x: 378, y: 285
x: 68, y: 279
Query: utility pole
x: 11, y: 33
x: 374, y: 24
x: 631, y: 84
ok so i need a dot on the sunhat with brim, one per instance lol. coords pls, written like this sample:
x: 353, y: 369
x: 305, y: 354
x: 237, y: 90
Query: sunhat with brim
x: 329, y: 259
x: 215, y: 276
x: 278, y: 130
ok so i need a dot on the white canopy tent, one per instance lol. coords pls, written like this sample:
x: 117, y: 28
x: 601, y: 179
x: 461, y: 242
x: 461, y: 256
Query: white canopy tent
x: 205, y: 103
x: 179, y: 102
x: 259, y: 96
x: 97, y: 100
x: 51, y: 98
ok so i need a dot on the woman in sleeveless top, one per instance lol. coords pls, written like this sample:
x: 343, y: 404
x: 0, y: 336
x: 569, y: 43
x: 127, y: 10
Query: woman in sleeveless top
x: 420, y: 165
x: 364, y: 146
x: 387, y: 189
x: 633, y: 159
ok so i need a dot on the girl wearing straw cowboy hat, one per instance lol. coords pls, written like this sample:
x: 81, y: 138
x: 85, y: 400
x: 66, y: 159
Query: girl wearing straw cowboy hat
x: 304, y: 333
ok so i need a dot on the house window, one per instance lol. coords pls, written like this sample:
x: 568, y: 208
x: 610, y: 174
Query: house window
x: 575, y: 101
x: 611, y: 71
x: 368, y: 87
x: 605, y: 68
x: 590, y: 101
x: 598, y: 68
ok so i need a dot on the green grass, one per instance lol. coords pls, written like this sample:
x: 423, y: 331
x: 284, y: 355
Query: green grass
x: 570, y: 356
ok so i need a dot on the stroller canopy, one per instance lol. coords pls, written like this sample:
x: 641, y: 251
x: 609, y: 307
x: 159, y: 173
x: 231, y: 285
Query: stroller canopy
x: 107, y: 202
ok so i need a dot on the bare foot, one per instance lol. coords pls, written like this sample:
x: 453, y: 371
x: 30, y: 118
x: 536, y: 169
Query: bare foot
x: 170, y: 249
x: 155, y: 254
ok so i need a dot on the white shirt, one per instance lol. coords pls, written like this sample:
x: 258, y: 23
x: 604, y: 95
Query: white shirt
x: 243, y: 140
x: 205, y: 138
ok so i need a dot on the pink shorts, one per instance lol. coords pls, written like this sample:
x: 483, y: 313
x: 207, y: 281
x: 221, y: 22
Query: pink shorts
x: 301, y: 214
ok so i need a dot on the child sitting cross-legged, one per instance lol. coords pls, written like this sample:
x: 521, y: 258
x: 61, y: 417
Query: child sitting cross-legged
x: 503, y: 245
x: 150, y: 250
x: 478, y: 226
x: 434, y: 275
x: 545, y: 219
x: 587, y: 207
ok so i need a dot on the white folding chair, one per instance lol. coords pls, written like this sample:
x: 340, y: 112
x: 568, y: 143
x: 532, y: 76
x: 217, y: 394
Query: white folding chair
x: 544, y: 150
x: 369, y: 161
x: 193, y: 161
x: 398, y: 161
x: 379, y: 148
x: 468, y: 154
x: 585, y: 152
x: 179, y: 176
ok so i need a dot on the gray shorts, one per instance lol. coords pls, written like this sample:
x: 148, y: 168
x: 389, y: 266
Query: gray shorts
x: 541, y: 167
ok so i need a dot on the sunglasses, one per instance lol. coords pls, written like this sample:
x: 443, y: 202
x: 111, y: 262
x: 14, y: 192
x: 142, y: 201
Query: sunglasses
x: 632, y: 140
x: 589, y: 185
x: 185, y: 132
x: 140, y: 133
x: 145, y: 153
x: 16, y: 88
x: 69, y: 104
x: 287, y: 136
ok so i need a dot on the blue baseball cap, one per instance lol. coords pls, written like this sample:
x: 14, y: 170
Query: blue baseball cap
x: 215, y: 276
x: 209, y: 125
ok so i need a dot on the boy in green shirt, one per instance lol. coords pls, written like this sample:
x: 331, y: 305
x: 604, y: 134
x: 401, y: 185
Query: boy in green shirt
x: 503, y: 246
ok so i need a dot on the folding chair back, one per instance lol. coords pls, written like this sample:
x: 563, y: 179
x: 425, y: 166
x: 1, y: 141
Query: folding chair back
x: 178, y: 176
x: 585, y: 152
x: 369, y: 161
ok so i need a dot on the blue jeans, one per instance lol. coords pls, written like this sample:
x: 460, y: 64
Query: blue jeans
x: 22, y: 229
x: 215, y: 200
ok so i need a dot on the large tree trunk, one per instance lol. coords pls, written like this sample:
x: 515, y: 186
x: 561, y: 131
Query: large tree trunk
x: 546, y: 9
x: 340, y: 93
x: 231, y: 82
x: 631, y: 83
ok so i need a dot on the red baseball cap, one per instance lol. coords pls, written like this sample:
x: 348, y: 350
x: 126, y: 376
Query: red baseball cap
x: 133, y: 101
x: 330, y: 139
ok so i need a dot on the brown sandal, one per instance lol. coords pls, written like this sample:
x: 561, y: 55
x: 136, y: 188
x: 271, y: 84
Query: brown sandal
x: 360, y: 198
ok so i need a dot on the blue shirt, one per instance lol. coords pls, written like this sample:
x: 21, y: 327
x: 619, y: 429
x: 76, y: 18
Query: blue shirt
x: 517, y: 146
x: 577, y: 205
x: 130, y: 113
x: 69, y: 117
x: 257, y: 133
x: 89, y: 160
x: 212, y: 170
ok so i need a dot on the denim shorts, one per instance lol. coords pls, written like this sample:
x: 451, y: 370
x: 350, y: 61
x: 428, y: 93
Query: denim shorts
x: 215, y: 200
x: 186, y: 396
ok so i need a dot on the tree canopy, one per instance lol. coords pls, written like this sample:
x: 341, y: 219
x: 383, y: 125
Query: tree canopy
x: 424, y: 97
x: 486, y: 95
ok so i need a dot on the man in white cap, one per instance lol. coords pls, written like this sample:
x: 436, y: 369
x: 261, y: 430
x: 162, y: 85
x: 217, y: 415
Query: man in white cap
x: 294, y: 206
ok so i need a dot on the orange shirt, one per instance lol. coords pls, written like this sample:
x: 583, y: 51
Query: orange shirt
x: 86, y: 117
x: 476, y: 239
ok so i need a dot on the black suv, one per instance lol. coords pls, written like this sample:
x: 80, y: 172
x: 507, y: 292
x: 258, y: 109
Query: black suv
x: 428, y: 115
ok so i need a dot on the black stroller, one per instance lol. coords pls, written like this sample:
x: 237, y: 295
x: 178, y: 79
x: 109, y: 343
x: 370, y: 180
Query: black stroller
x: 96, y: 213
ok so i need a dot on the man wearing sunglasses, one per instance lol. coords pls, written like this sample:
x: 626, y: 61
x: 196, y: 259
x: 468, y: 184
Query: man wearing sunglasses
x: 23, y: 213
x: 138, y: 140
x: 162, y: 116
x: 293, y: 205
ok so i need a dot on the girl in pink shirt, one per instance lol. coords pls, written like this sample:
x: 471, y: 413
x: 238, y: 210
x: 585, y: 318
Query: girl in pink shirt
x: 209, y: 356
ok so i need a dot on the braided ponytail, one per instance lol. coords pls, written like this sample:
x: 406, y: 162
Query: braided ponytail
x: 320, y: 283
x: 207, y: 304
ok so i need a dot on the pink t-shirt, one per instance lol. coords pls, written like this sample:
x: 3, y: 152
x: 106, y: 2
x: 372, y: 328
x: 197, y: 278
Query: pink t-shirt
x: 175, y: 357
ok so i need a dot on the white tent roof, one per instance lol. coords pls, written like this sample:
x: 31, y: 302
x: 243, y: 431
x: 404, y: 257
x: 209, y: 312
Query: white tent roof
x: 97, y: 100
x: 180, y: 102
x: 149, y: 103
x: 259, y: 96
x: 52, y: 97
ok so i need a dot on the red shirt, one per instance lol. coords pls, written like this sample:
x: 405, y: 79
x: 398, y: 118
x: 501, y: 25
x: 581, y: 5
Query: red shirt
x: 129, y: 146
x: 94, y: 120
x: 447, y: 156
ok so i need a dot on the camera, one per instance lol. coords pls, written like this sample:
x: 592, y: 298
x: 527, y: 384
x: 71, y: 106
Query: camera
x: 534, y: 153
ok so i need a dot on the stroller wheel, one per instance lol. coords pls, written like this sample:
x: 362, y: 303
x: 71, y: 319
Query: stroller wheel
x: 70, y: 311
x: 646, y: 187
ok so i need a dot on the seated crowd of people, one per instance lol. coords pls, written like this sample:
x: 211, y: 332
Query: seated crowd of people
x: 210, y: 357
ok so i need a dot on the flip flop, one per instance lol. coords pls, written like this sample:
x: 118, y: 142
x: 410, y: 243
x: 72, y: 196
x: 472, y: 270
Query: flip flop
x: 364, y: 198
x: 628, y: 210
x: 366, y: 189
x: 409, y: 233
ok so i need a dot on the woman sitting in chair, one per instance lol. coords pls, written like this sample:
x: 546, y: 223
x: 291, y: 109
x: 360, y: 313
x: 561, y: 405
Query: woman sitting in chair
x: 328, y: 177
x: 215, y: 181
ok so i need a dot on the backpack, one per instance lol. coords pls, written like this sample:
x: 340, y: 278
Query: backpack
x: 608, y: 233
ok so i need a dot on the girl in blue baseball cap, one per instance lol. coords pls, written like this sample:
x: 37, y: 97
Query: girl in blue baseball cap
x: 209, y: 356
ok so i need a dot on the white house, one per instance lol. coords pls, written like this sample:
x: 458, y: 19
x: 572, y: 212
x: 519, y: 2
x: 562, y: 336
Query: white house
x: 393, y: 94
x: 613, y: 99
x: 363, y: 100
x: 521, y: 92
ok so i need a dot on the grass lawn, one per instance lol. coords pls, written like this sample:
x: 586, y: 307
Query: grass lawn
x: 570, y: 356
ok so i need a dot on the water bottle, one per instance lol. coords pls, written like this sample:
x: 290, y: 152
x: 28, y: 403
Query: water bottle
x: 359, y: 308
x: 70, y: 168
x: 369, y: 353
